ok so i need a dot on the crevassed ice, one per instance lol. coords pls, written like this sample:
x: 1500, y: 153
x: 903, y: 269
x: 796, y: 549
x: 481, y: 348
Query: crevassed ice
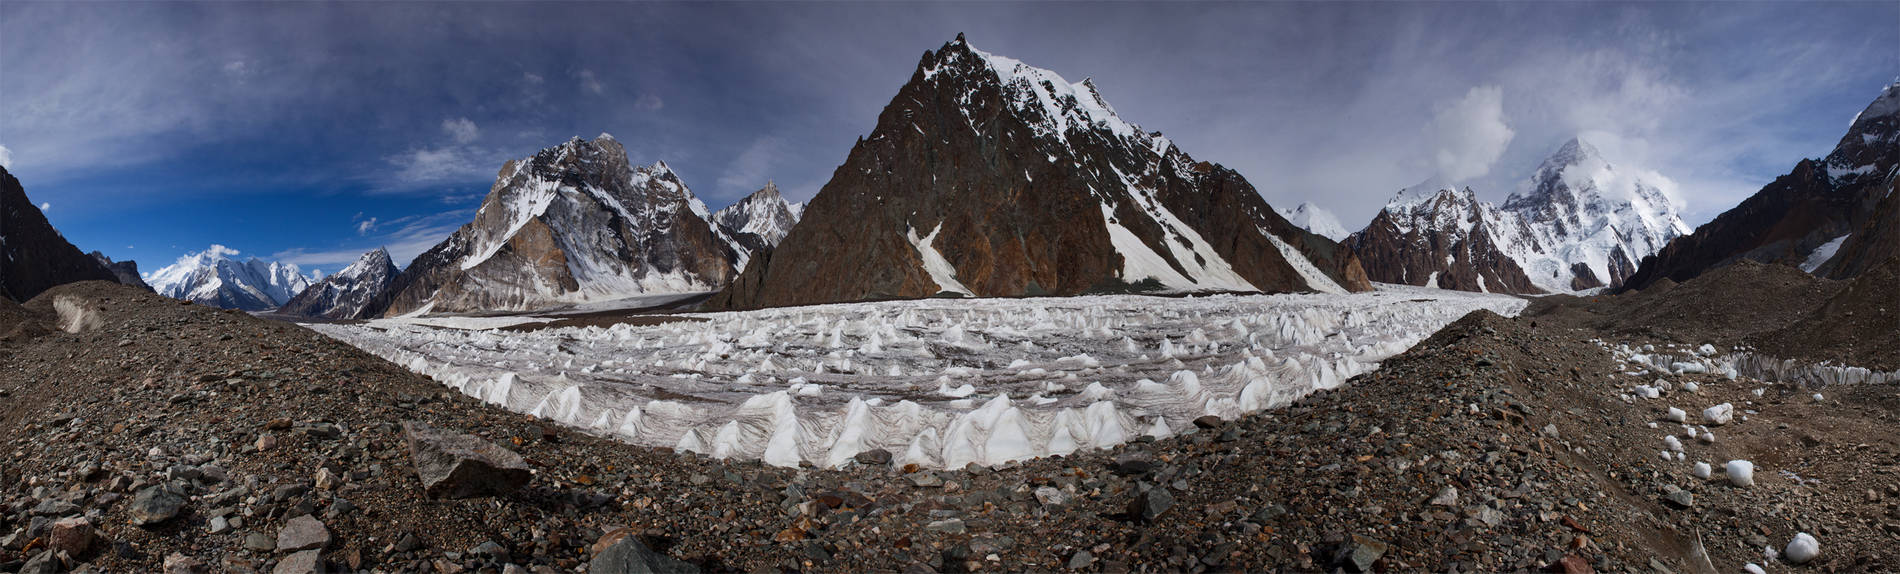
x: 941, y: 383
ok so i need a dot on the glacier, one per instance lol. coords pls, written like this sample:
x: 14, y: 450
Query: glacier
x: 938, y: 383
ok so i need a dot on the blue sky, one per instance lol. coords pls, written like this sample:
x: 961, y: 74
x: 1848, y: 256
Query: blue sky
x: 313, y: 132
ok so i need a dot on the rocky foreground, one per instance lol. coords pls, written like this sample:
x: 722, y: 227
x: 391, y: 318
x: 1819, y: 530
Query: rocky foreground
x: 143, y: 435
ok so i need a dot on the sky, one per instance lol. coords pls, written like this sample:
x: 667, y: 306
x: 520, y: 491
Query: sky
x: 311, y: 132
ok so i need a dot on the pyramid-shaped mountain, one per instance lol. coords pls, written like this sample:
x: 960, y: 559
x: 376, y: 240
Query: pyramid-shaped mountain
x: 988, y: 177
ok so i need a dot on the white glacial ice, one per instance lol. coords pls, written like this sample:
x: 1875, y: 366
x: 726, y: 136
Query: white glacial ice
x: 941, y: 383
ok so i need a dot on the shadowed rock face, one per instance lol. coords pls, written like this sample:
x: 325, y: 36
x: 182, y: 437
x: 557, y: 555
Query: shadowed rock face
x: 572, y: 223
x: 991, y: 178
x: 34, y: 257
x: 1819, y: 202
x: 127, y: 271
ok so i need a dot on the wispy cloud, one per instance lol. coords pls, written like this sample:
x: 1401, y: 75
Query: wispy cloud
x: 749, y: 171
x: 589, y: 81
x: 409, y: 237
x: 452, y: 158
x: 6, y: 157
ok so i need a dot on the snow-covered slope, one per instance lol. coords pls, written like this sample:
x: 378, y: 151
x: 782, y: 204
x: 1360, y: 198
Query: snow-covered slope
x: 574, y: 223
x: 213, y: 277
x: 1577, y: 223
x: 348, y: 293
x: 1316, y: 219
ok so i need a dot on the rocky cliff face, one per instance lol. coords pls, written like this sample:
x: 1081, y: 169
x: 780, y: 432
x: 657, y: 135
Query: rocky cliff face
x: 34, y: 257
x: 988, y: 177
x: 573, y: 223
x: 127, y: 271
x: 348, y: 294
x: 757, y: 223
x: 214, y: 277
x: 1577, y: 223
x: 1442, y: 238
x: 1806, y: 217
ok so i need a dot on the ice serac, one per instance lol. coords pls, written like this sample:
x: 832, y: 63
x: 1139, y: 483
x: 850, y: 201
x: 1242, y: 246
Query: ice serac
x: 126, y: 271
x: 34, y: 257
x: 1577, y: 223
x: 213, y: 277
x: 756, y: 223
x: 1819, y: 202
x: 574, y: 223
x: 1033, y: 186
x: 348, y: 294
x: 1317, y: 220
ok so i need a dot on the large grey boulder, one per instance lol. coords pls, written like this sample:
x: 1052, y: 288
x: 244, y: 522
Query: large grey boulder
x: 629, y: 556
x: 154, y: 505
x: 455, y: 465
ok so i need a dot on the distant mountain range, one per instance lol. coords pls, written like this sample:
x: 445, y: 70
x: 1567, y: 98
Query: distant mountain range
x: 214, y: 277
x: 1578, y: 223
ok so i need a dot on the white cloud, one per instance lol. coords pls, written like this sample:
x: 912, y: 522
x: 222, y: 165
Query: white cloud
x: 46, y: 206
x: 454, y: 159
x: 6, y: 157
x: 649, y: 102
x: 220, y: 250
x: 1469, y: 135
x: 589, y: 81
x: 462, y: 130
x: 365, y: 226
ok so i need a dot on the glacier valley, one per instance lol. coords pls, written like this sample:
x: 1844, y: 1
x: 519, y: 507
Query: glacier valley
x: 935, y: 382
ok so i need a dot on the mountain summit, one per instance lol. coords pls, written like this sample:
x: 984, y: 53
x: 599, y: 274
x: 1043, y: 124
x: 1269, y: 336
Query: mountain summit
x: 989, y: 177
x: 1577, y: 223
x: 348, y: 294
x: 213, y: 277
x: 759, y: 221
x: 574, y: 223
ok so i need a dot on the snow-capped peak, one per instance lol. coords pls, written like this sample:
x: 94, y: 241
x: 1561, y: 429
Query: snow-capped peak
x: 375, y: 259
x: 1315, y: 219
x: 1886, y: 104
x: 764, y: 213
x: 1055, y: 105
x: 215, y: 277
x: 1421, y: 192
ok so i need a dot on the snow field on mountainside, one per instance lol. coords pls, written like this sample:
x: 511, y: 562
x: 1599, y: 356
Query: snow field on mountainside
x: 937, y: 382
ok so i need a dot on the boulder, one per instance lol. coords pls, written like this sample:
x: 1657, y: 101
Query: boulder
x: 72, y: 536
x: 303, y: 533
x: 454, y: 465
x: 305, y: 562
x: 628, y: 556
x: 154, y: 505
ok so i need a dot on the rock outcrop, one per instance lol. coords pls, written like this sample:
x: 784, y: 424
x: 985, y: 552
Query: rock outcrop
x: 34, y: 257
x: 127, y: 271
